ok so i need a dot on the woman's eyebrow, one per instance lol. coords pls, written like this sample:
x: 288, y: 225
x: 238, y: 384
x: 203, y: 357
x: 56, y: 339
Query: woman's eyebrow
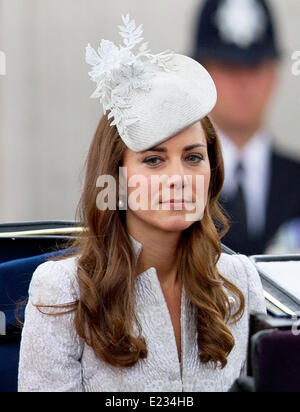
x: 193, y: 146
x: 157, y: 149
x: 185, y: 149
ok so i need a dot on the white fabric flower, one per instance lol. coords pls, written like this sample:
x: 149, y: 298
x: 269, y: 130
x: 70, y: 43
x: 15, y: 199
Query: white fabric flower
x: 117, y: 71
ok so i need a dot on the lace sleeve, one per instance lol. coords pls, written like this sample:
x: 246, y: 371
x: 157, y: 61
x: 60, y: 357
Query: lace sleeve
x: 50, y: 347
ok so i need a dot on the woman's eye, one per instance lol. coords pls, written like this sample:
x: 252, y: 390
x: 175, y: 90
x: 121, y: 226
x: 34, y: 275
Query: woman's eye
x: 195, y: 158
x: 152, y: 161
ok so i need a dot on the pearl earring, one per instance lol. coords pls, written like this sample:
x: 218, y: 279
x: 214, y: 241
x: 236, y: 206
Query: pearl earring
x: 121, y: 203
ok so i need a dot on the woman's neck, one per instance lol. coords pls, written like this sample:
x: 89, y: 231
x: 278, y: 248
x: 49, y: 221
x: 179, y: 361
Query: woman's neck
x: 158, y: 250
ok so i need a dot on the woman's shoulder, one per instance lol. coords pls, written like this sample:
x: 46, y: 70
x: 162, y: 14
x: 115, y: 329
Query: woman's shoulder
x: 237, y: 267
x: 55, y: 282
x: 241, y: 271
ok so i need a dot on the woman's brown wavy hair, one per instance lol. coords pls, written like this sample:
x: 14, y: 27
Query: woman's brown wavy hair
x: 105, y: 311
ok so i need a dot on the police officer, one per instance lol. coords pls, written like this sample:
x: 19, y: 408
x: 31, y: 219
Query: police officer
x: 236, y: 42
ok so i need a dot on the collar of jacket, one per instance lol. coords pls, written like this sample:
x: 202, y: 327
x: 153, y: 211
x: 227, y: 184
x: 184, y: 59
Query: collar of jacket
x: 147, y: 285
x: 137, y: 246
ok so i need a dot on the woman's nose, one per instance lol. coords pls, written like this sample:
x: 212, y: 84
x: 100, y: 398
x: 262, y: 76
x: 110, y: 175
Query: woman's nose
x: 176, y: 174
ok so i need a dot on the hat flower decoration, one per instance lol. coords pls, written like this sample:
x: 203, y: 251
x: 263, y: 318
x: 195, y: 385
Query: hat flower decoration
x: 150, y: 97
x: 117, y: 71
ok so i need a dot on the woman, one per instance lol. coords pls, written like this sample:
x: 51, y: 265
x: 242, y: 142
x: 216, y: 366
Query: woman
x: 149, y: 302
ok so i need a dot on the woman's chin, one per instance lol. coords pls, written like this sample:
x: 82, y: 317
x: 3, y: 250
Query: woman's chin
x: 169, y: 221
x: 173, y: 223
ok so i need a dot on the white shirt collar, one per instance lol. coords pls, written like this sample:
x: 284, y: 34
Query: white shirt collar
x: 254, y: 156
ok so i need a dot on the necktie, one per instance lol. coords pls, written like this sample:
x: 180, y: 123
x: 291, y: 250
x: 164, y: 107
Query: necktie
x: 239, y: 207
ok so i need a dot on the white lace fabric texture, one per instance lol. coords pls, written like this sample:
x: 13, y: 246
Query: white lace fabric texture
x: 54, y: 359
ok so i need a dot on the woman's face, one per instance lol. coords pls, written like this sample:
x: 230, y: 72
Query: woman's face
x: 167, y: 185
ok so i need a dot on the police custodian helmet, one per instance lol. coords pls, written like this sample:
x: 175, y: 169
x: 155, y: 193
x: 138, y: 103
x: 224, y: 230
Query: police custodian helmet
x: 236, y: 31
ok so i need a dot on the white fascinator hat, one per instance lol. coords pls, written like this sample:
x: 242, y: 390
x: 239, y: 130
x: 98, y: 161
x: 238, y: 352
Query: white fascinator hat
x: 150, y: 97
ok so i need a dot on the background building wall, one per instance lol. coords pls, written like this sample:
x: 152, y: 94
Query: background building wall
x: 47, y: 119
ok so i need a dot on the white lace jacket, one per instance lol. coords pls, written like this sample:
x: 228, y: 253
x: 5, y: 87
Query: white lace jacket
x: 54, y: 358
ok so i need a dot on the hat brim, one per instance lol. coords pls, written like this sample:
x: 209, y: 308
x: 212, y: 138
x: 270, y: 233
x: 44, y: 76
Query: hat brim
x: 236, y: 56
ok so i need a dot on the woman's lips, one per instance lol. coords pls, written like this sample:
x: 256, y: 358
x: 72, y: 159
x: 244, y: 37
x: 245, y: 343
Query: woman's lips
x: 174, y: 202
x: 177, y: 201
